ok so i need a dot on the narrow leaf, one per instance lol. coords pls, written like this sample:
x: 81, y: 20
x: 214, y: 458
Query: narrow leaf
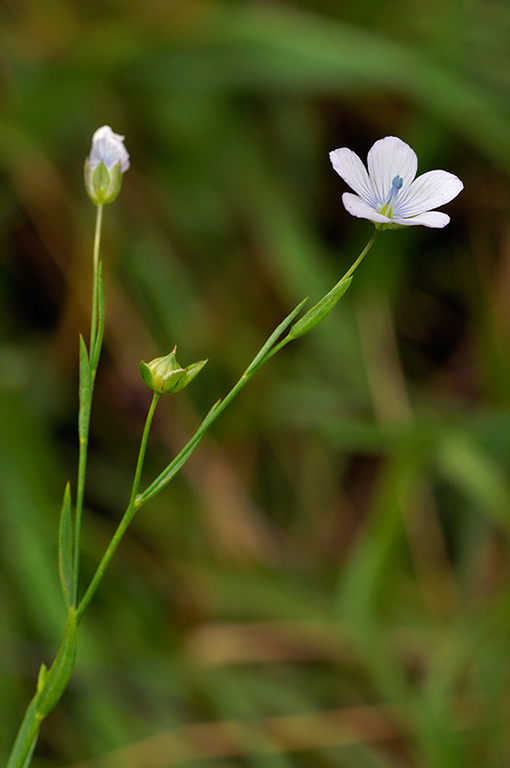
x: 98, y: 340
x: 211, y: 415
x: 316, y: 314
x: 84, y: 370
x: 61, y: 670
x: 41, y: 678
x: 85, y: 389
x: 65, y: 548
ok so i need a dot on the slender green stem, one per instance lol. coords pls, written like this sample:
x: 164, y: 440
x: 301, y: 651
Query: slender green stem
x: 132, y: 508
x: 95, y: 322
x: 143, y: 448
x: 26, y: 738
x: 361, y: 256
x: 87, y: 388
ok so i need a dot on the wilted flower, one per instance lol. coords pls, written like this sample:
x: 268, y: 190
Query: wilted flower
x: 164, y: 374
x: 104, y: 167
x: 388, y: 194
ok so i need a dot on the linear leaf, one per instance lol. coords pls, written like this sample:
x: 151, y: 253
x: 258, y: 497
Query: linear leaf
x: 85, y: 388
x: 65, y: 548
x: 316, y: 314
x: 61, y: 670
x: 98, y: 340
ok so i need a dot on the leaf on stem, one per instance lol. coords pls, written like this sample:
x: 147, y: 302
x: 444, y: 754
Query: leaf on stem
x: 85, y: 388
x: 59, y: 674
x: 316, y: 314
x: 211, y: 415
x: 98, y: 340
x: 65, y: 548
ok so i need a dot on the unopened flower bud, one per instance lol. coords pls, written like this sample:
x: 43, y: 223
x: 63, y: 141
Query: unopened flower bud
x: 104, y: 167
x: 164, y: 374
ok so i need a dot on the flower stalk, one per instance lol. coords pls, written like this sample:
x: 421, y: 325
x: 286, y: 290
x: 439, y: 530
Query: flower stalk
x: 88, y: 366
x: 133, y: 506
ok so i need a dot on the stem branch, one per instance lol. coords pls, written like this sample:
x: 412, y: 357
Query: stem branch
x: 133, y: 506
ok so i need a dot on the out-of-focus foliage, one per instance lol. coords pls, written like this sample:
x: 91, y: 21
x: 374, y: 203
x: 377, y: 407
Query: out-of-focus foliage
x: 326, y: 583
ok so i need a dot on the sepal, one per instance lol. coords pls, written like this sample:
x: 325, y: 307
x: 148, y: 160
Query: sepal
x: 164, y: 374
x: 102, y: 184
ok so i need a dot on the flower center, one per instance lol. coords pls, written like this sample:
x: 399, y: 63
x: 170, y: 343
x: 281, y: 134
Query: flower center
x: 396, y: 185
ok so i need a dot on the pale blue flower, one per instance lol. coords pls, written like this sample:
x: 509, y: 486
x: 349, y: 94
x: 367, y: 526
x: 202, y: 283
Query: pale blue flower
x: 108, y: 147
x: 389, y: 194
x: 105, y: 165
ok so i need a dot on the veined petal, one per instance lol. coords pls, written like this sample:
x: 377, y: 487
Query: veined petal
x: 108, y: 148
x: 390, y: 157
x: 348, y: 165
x: 429, y: 191
x: 363, y: 210
x: 435, y: 219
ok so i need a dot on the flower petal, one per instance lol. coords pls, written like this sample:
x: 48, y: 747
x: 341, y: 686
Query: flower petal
x: 435, y: 219
x: 108, y: 147
x: 348, y: 165
x: 429, y: 191
x: 363, y: 210
x: 388, y: 158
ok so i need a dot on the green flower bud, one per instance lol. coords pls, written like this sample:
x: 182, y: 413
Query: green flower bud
x: 164, y: 374
x: 104, y: 167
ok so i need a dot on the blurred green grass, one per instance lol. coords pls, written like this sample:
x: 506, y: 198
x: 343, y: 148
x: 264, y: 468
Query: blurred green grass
x: 326, y: 583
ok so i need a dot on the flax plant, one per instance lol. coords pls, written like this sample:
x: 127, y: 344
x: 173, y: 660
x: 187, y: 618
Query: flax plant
x: 388, y: 195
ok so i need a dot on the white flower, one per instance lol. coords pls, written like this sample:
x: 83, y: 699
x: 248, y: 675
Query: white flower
x: 388, y: 194
x: 105, y: 165
x: 108, y: 147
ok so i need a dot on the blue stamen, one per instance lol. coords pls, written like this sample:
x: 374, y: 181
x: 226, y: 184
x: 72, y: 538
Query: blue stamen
x: 396, y: 185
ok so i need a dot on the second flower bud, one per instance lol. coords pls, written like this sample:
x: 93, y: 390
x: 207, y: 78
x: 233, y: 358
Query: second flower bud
x: 164, y: 374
